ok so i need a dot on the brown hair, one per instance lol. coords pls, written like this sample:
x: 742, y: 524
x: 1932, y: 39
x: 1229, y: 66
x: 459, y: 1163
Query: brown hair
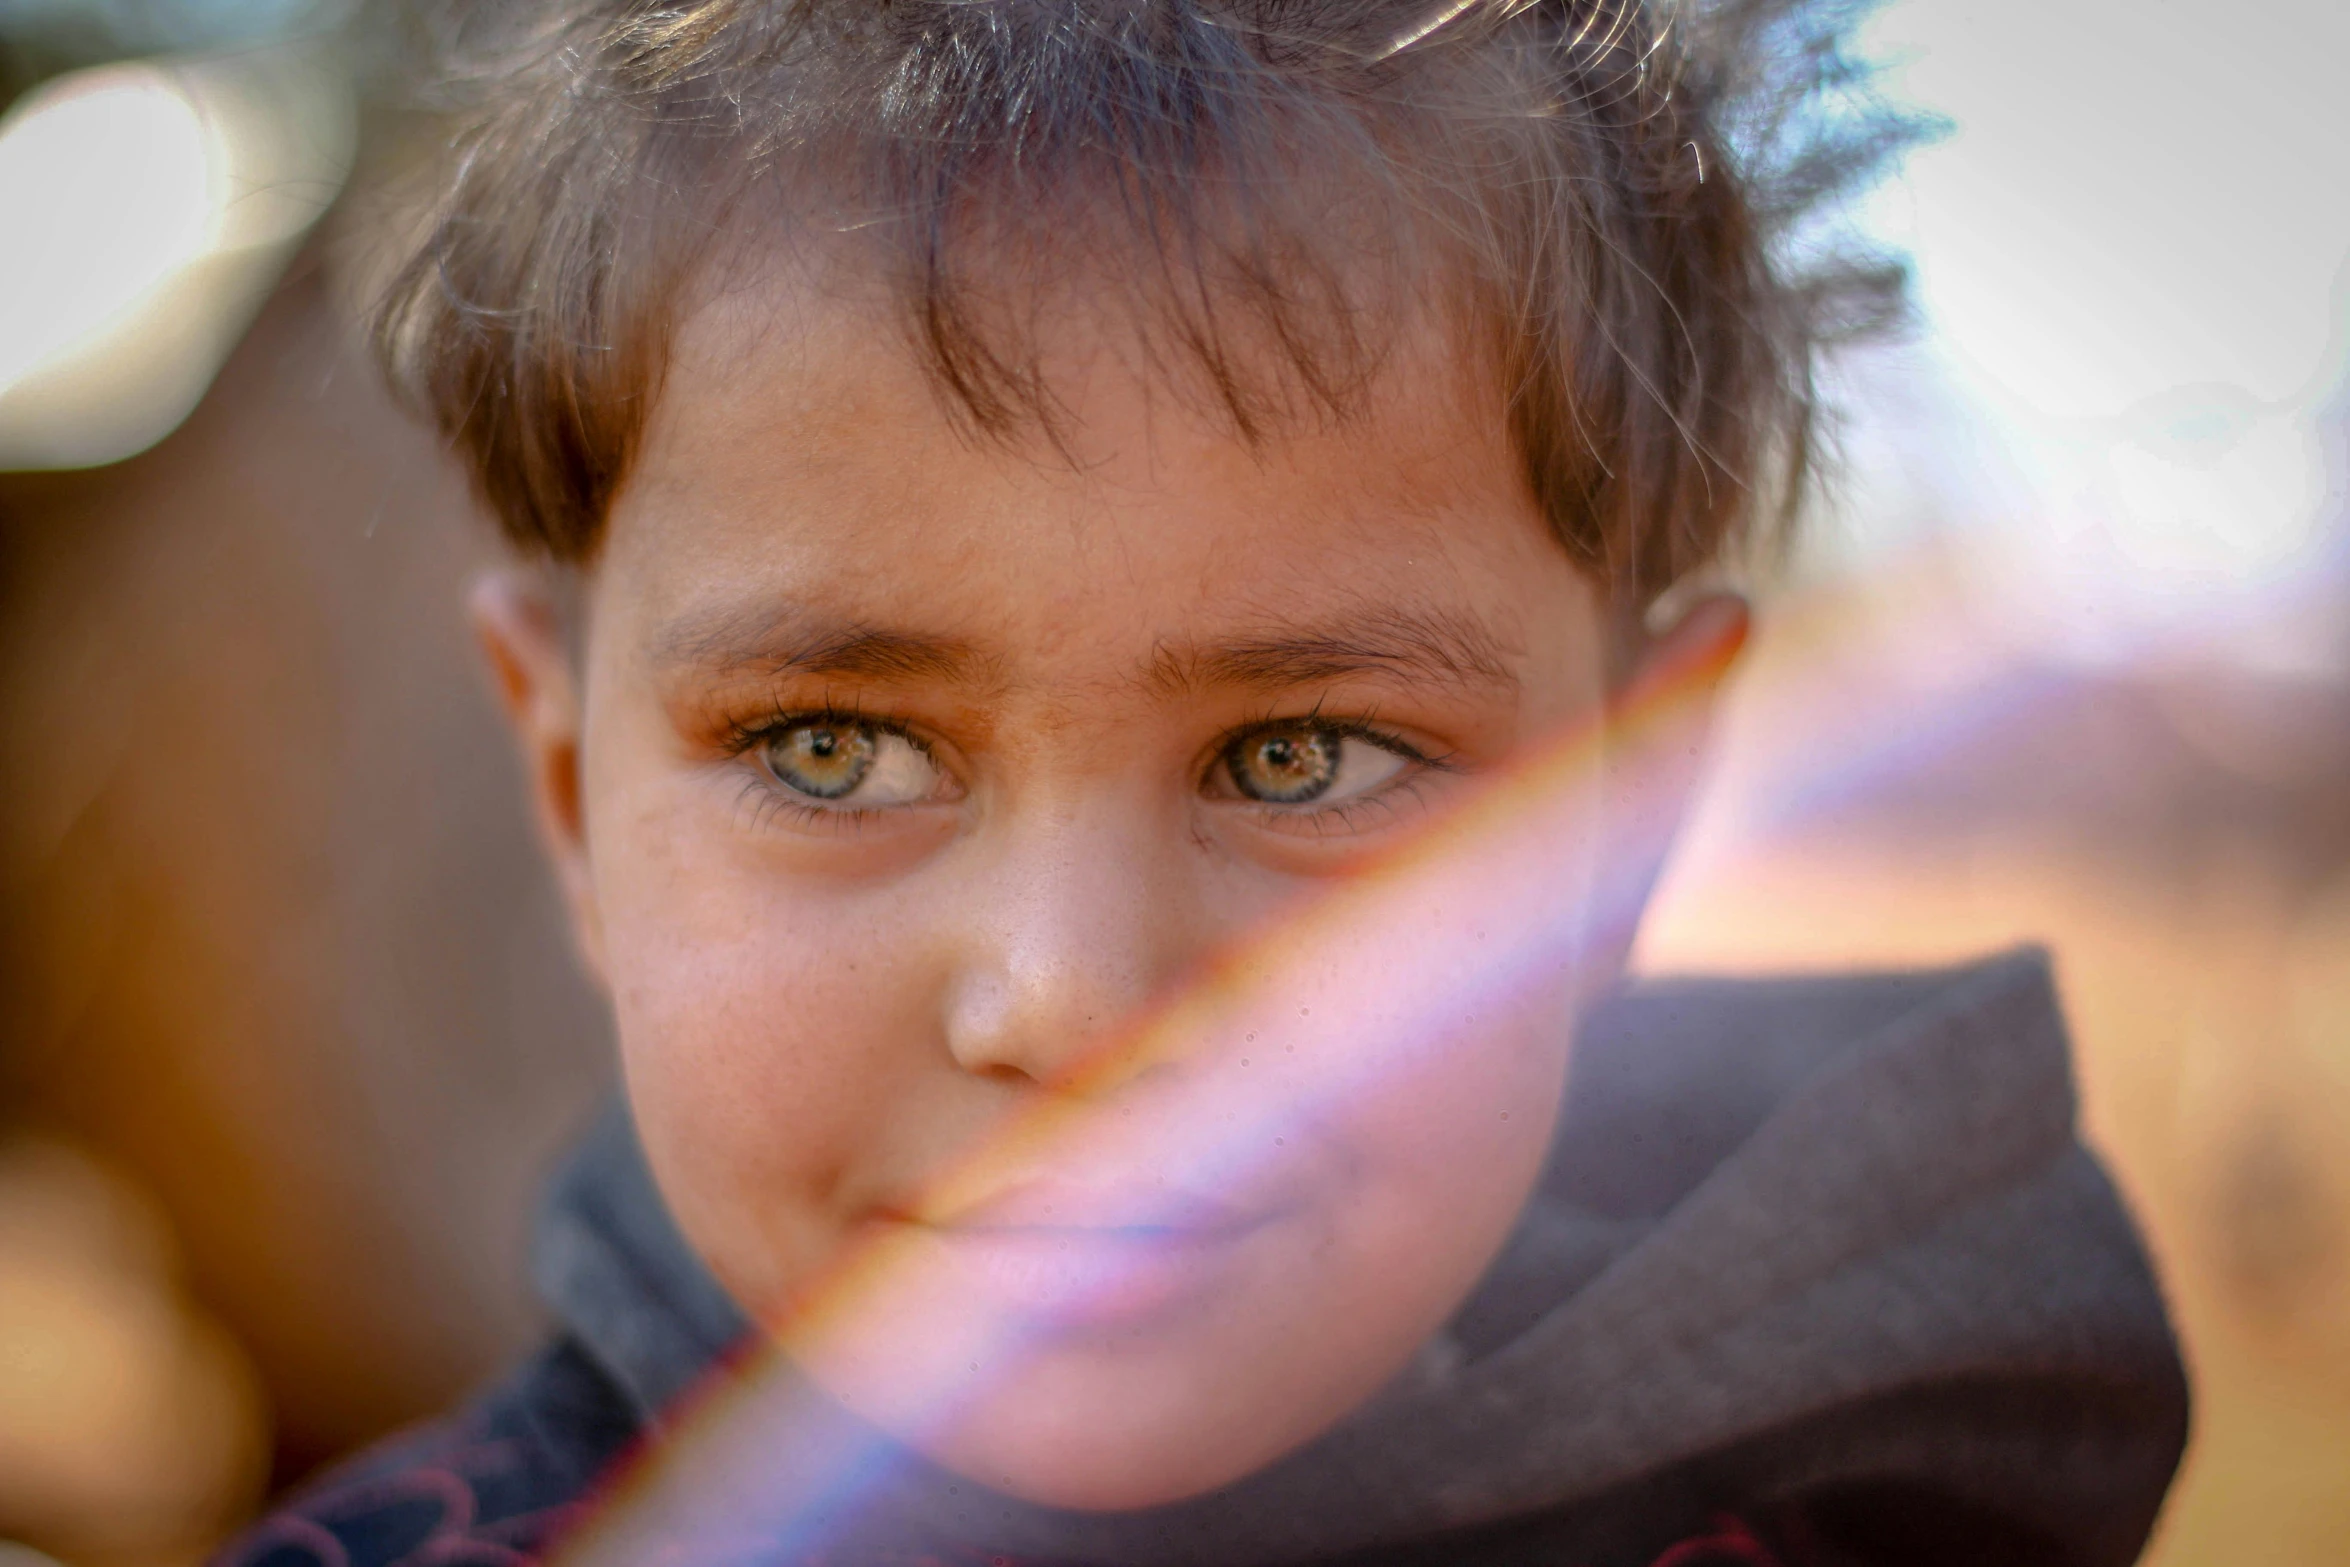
x: 1605, y: 195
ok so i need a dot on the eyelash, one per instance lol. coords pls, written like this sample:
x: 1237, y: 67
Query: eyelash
x: 768, y: 802
x: 769, y: 798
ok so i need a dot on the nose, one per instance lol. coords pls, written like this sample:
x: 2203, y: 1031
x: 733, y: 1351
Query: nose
x: 1077, y: 918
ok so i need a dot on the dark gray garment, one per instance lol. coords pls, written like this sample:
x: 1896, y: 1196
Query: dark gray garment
x: 1826, y: 1250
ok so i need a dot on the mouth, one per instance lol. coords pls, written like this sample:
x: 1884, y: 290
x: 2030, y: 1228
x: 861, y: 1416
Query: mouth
x: 1065, y: 1206
x: 1071, y: 1255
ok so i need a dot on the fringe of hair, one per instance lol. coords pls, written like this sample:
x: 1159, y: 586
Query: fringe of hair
x: 1624, y: 208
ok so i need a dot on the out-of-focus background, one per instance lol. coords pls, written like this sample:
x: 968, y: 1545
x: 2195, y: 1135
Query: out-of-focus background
x: 288, y: 1031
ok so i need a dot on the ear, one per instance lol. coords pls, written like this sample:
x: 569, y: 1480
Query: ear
x: 522, y: 639
x: 1659, y: 720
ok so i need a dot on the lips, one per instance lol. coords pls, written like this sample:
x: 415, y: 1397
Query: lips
x: 1056, y: 1205
x: 1062, y: 1252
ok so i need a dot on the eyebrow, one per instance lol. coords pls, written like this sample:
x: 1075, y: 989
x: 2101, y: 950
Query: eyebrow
x: 1433, y: 645
x: 1436, y: 645
x: 787, y: 641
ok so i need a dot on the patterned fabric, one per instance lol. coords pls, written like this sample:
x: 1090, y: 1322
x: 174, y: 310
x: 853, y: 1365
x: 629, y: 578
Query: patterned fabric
x: 445, y: 1514
x: 1732, y: 1544
x: 499, y: 1485
x: 492, y: 1487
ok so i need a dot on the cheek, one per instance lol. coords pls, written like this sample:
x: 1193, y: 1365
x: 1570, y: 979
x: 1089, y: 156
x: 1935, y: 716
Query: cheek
x: 1488, y: 1086
x: 765, y: 1026
x: 1444, y: 1145
x: 1438, y: 1084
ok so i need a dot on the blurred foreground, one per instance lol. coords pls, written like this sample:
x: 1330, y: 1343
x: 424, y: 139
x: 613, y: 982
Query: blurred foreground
x: 282, y: 977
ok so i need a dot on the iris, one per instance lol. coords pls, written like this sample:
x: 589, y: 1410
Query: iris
x: 827, y: 760
x: 1286, y: 766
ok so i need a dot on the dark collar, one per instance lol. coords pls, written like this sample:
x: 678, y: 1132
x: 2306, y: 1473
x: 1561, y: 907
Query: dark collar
x: 610, y: 1261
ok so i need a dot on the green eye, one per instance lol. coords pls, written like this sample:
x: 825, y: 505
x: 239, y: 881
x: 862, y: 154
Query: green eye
x: 1286, y: 766
x: 858, y: 765
x: 1302, y: 763
x: 823, y: 758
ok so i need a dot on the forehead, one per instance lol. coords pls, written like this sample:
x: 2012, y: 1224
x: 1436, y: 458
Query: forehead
x: 801, y: 454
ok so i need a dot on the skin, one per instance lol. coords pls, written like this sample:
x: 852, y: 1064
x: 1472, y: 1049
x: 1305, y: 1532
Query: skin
x: 894, y: 1063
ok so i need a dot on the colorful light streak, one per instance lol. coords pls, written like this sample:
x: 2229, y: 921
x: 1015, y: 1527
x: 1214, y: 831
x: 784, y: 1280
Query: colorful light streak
x: 1539, y: 877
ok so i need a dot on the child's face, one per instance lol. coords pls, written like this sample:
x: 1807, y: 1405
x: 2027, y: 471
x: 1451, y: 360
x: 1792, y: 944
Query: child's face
x: 904, y: 770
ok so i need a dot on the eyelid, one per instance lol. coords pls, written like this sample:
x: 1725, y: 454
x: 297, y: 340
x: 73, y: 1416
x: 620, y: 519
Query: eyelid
x: 1364, y: 729
x: 743, y: 736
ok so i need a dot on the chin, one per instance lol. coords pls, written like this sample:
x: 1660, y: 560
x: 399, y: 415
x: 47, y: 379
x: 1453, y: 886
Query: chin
x: 1088, y: 1469
x: 1096, y: 1432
